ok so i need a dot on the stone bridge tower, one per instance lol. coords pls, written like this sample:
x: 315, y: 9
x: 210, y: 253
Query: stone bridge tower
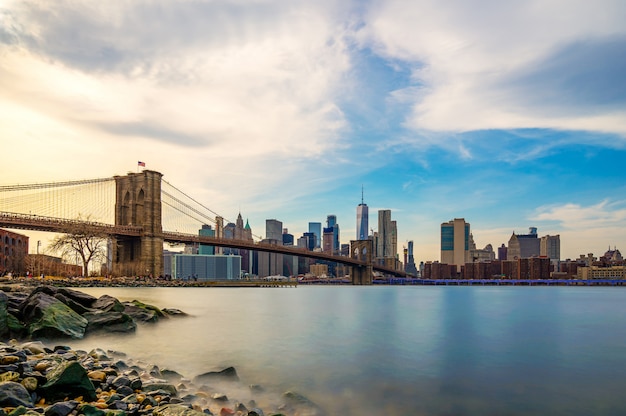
x: 138, y: 202
x: 362, y: 250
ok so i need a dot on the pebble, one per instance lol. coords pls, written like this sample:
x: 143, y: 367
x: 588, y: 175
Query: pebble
x: 107, y: 383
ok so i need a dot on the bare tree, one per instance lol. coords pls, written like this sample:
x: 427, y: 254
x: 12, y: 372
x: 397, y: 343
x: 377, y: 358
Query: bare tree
x: 83, y: 241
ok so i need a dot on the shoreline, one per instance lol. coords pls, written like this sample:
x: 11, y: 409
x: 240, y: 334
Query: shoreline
x: 36, y: 379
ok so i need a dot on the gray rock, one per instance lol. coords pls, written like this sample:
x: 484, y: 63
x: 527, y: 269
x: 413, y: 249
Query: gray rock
x: 61, y: 408
x: 109, y: 321
x: 108, y: 303
x: 13, y: 394
x: 227, y: 374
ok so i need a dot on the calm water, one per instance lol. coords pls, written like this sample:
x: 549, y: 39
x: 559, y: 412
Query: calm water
x: 399, y: 350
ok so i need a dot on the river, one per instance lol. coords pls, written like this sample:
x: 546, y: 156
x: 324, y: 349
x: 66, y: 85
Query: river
x: 398, y: 350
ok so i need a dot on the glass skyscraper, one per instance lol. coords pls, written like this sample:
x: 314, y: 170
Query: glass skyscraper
x: 362, y: 220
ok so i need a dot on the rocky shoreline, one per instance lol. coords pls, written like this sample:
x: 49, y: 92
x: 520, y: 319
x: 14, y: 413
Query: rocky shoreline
x: 36, y: 379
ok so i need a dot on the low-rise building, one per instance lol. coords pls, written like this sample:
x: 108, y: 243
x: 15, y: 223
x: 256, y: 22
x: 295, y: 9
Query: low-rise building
x: 598, y: 272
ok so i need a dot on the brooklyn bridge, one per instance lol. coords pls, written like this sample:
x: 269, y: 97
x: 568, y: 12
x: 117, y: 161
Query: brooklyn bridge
x: 140, y: 212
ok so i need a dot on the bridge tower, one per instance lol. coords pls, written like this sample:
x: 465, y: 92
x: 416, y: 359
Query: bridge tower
x: 138, y: 202
x: 362, y: 250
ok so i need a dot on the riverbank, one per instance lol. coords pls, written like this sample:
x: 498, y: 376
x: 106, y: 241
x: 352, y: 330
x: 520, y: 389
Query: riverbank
x: 58, y: 381
x: 140, y: 282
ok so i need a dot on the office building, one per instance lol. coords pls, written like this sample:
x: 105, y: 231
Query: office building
x: 271, y: 264
x: 523, y: 246
x: 205, y: 267
x: 274, y: 230
x: 206, y: 231
x: 409, y: 261
x: 362, y: 220
x: 316, y: 229
x: 550, y: 247
x: 384, y: 244
x: 455, y: 242
x: 331, y: 222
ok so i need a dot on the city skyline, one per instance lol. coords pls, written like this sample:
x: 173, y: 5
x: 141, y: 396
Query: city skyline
x: 509, y: 116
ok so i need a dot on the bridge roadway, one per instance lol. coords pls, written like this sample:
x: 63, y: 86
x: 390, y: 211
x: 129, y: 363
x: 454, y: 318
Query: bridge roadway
x: 59, y: 225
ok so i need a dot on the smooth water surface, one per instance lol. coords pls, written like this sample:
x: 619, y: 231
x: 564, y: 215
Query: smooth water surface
x: 399, y: 350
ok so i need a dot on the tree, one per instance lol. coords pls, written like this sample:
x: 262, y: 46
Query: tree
x: 82, y: 240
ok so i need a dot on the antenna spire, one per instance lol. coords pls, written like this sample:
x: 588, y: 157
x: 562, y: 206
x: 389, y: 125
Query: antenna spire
x: 362, y: 195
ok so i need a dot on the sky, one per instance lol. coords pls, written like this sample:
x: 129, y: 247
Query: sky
x: 508, y: 114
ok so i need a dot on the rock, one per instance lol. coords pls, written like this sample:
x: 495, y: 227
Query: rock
x: 227, y: 374
x: 96, y: 375
x: 109, y: 321
x: 16, y: 328
x: 108, y: 303
x: 61, y: 408
x: 75, y: 306
x: 4, y: 315
x: 48, y: 317
x: 169, y: 388
x: 173, y: 312
x: 142, y: 312
x: 90, y: 410
x: 35, y: 347
x: 175, y: 410
x: 171, y: 375
x: 79, y: 297
x: 302, y: 403
x: 10, y: 376
x: 30, y: 383
x: 13, y: 394
x: 255, y: 412
x: 68, y: 379
x: 220, y: 397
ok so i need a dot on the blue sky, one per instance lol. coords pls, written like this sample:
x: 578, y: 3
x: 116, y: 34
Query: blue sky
x: 508, y: 114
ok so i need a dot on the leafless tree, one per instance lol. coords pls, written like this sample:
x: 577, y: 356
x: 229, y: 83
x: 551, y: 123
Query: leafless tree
x: 83, y: 241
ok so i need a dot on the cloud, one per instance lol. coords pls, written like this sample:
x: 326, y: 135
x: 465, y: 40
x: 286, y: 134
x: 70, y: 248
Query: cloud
x: 251, y: 87
x: 604, y: 214
x: 506, y: 66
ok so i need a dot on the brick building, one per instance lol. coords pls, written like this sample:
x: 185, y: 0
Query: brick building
x: 13, y: 252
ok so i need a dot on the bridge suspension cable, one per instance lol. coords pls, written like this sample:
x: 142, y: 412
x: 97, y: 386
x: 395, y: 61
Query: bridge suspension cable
x: 183, y: 213
x: 92, y: 198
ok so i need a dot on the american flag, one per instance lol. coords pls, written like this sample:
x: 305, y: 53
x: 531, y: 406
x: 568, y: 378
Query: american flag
x: 141, y: 164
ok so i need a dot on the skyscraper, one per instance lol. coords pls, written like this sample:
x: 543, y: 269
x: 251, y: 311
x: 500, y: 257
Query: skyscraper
x: 274, y: 230
x: 331, y: 222
x: 550, y: 246
x: 455, y: 242
x: 385, y: 235
x: 409, y: 264
x: 316, y: 228
x: 362, y: 220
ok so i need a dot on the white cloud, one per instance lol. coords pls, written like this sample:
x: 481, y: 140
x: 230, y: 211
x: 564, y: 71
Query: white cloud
x: 217, y: 96
x: 470, y: 55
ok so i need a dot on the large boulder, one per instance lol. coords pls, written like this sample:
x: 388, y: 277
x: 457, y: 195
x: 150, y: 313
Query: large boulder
x: 13, y: 394
x: 108, y: 303
x: 142, y: 312
x: 47, y: 316
x: 68, y: 379
x: 109, y: 321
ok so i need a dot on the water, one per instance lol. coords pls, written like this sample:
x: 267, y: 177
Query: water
x: 399, y: 350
